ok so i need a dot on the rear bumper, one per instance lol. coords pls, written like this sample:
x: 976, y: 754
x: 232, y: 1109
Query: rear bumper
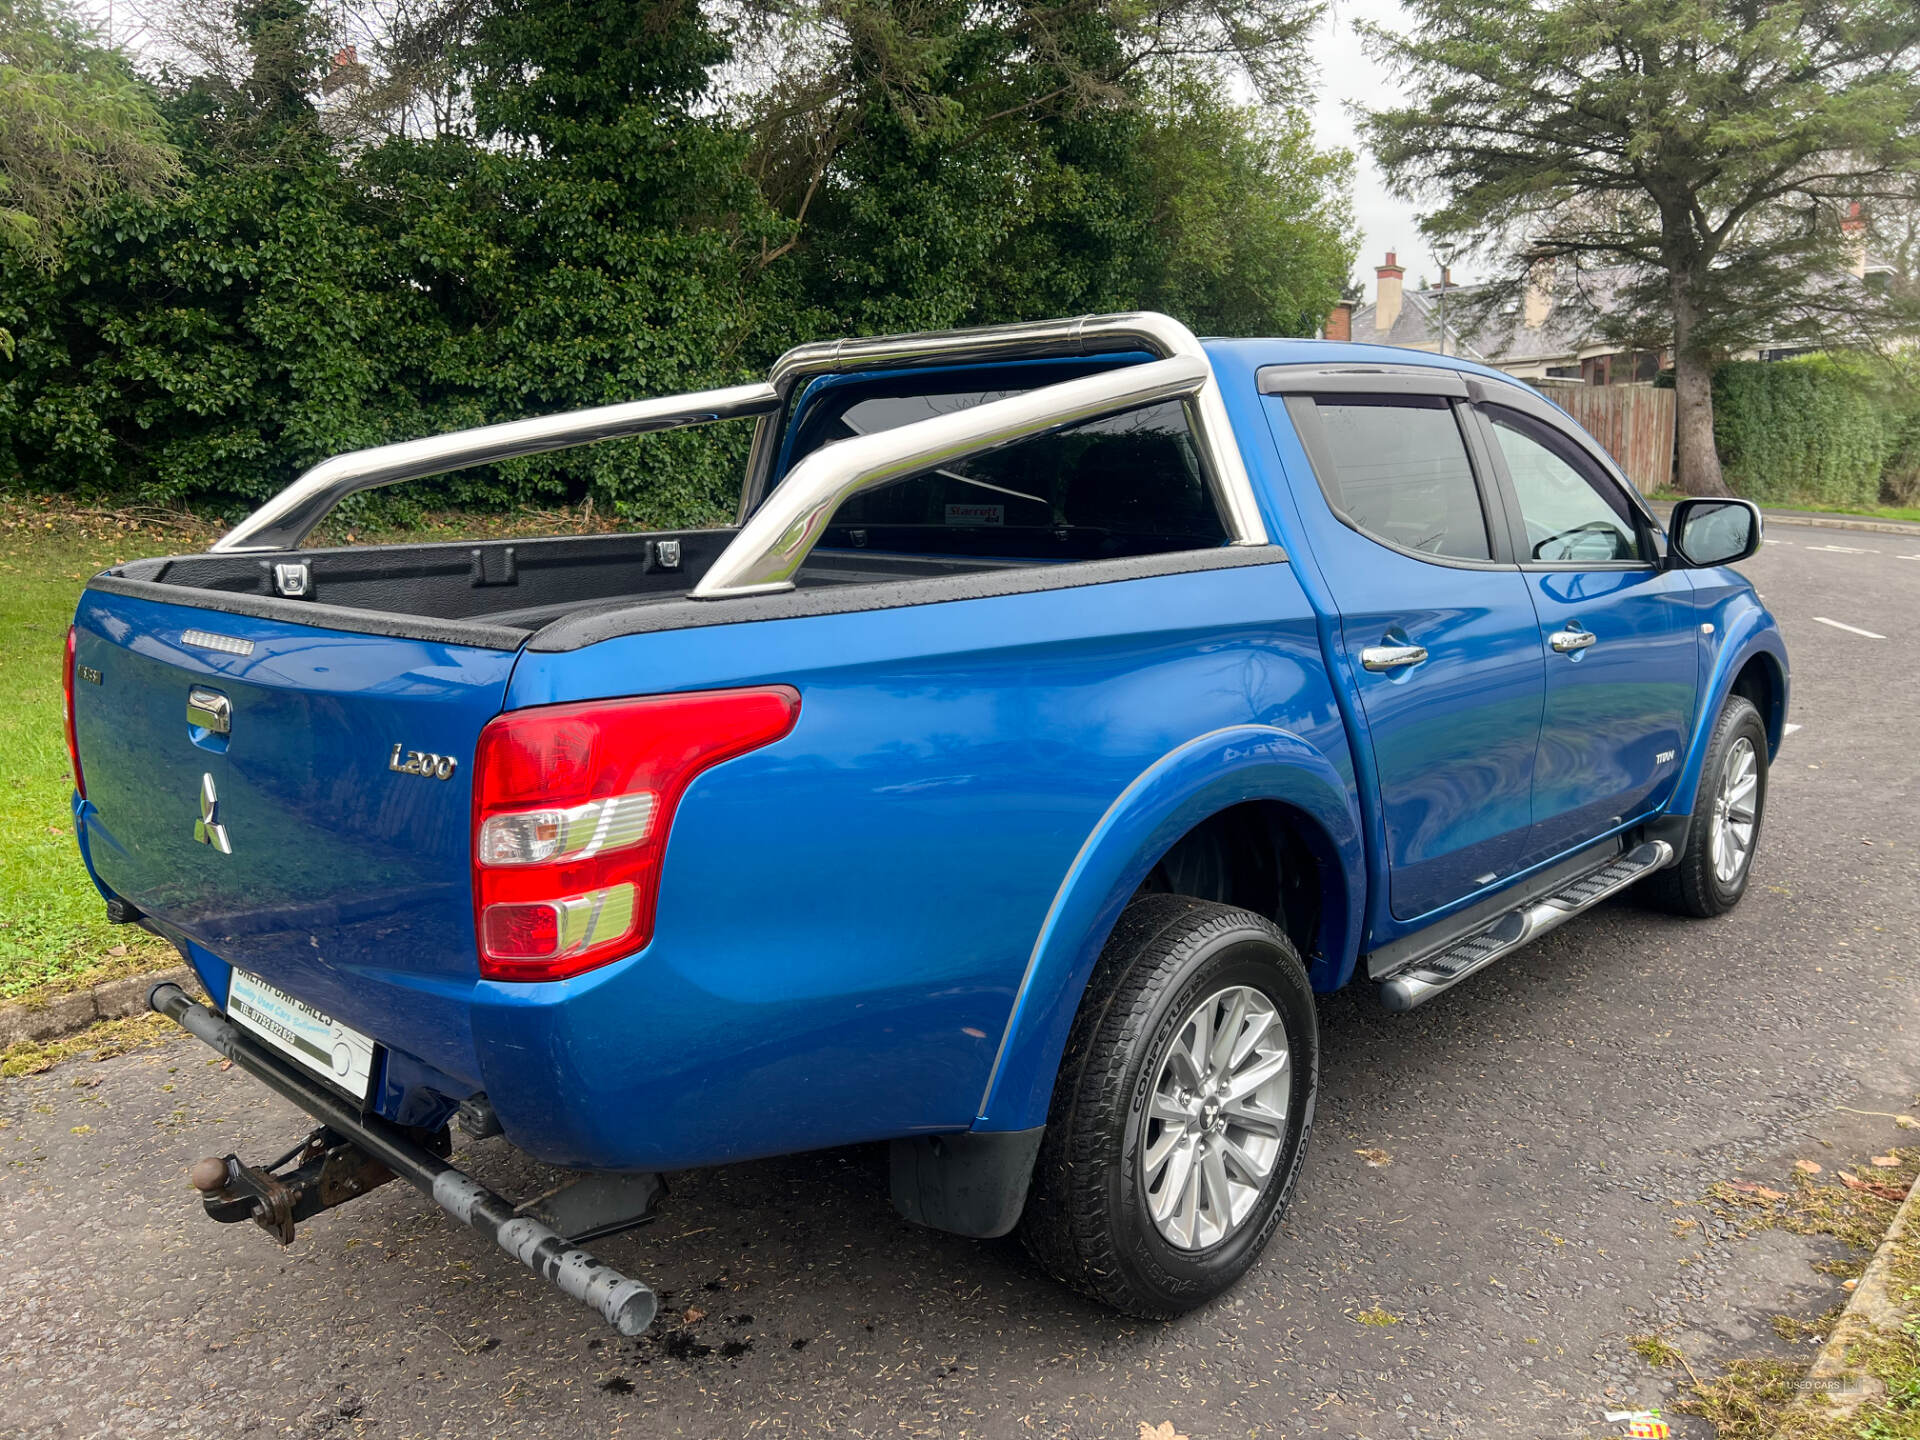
x: 651, y: 1063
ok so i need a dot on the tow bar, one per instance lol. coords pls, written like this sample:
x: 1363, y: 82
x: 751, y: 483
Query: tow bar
x: 275, y: 1202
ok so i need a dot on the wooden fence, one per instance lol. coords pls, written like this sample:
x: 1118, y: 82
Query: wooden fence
x: 1634, y: 422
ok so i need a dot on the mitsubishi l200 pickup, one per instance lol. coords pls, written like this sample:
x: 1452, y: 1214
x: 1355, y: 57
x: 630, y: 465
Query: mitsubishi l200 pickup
x: 1070, y: 705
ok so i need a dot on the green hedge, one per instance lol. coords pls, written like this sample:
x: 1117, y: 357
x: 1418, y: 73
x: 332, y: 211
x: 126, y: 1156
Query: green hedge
x: 1811, y: 431
x: 605, y: 229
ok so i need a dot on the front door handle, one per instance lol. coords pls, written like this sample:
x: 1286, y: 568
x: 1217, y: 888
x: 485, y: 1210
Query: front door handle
x: 1391, y: 657
x: 1565, y: 642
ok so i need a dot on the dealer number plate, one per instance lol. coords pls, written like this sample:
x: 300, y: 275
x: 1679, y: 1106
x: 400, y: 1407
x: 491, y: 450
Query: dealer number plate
x: 293, y: 1027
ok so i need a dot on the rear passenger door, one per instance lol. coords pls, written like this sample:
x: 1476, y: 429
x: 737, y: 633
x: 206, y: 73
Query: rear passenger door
x: 1622, y: 659
x: 1434, y: 619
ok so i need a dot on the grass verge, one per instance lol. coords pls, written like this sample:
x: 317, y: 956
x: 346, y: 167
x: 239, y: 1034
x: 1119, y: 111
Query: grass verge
x: 1865, y: 512
x: 1763, y: 1399
x: 54, y: 936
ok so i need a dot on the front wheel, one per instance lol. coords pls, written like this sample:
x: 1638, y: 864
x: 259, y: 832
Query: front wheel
x: 1180, y: 1117
x: 1711, y: 874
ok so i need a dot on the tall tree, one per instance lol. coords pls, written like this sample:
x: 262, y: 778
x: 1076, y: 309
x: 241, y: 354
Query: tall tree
x: 950, y: 163
x: 1713, y: 146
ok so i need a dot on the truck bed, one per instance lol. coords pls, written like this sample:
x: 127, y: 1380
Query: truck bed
x: 497, y: 587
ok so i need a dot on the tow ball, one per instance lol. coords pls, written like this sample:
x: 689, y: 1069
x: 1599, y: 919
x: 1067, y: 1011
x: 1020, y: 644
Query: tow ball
x: 329, y: 1170
x: 352, y: 1153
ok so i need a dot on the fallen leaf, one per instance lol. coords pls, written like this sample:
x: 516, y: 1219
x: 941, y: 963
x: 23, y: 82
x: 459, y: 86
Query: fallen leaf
x: 1808, y: 1167
x: 1163, y: 1431
x: 693, y: 1317
x: 1765, y: 1194
x: 1848, y: 1284
x: 117, y: 950
x: 81, y: 1130
x: 1886, y: 1162
x: 1375, y: 1158
x: 1871, y: 1187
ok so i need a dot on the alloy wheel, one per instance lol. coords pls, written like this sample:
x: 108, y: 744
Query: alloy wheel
x: 1735, y: 811
x: 1218, y: 1119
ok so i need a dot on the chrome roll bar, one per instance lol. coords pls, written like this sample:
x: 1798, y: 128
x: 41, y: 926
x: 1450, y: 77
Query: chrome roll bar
x: 283, y: 522
x: 777, y: 533
x: 775, y: 543
x: 1084, y: 335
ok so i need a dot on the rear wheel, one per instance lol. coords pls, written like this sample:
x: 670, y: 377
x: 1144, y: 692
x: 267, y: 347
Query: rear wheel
x: 1711, y: 874
x: 1180, y: 1117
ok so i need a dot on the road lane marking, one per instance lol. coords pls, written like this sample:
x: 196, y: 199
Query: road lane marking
x: 1907, y: 557
x: 1844, y: 549
x: 1852, y: 629
x: 1776, y: 542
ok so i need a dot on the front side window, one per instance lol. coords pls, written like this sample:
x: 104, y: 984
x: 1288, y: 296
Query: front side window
x: 1401, y: 474
x: 1572, y: 512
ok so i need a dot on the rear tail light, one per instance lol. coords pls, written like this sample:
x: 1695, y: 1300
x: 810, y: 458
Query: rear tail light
x: 571, y: 809
x: 73, y: 739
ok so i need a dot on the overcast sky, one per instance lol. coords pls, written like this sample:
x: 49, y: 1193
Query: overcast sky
x: 1347, y: 75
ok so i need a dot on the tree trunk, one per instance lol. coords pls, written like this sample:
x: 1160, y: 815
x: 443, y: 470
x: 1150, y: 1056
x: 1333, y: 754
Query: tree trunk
x: 1697, y: 460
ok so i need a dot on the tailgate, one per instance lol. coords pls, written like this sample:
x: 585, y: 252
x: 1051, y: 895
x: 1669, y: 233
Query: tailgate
x: 344, y: 880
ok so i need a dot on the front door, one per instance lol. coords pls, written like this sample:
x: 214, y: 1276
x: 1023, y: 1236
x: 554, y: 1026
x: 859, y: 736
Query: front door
x: 1622, y: 658
x: 1438, y: 631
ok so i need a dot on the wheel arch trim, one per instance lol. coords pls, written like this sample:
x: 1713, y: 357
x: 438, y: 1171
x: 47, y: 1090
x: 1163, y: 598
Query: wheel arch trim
x: 1750, y: 636
x: 1201, y: 778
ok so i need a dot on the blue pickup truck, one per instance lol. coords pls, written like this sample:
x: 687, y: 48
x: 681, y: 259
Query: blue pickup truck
x: 1069, y: 705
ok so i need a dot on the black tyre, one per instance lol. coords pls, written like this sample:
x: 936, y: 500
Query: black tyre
x: 1180, y: 1117
x: 1728, y: 807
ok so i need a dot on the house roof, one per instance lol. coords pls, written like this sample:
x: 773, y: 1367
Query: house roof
x: 1501, y: 337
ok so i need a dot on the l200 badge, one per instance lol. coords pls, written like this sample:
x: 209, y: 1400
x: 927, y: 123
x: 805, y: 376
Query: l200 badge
x: 423, y: 763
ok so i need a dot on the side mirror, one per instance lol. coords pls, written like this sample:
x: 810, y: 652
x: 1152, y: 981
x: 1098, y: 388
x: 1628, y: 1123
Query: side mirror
x: 1713, y: 532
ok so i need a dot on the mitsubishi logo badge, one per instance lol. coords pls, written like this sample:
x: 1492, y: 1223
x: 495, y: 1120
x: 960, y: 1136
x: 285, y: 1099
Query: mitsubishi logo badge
x: 207, y: 829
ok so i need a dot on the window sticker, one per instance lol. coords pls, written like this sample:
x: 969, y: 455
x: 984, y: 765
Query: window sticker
x: 976, y: 514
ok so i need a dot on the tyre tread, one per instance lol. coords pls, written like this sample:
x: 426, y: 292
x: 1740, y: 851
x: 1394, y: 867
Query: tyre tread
x: 1688, y: 886
x: 1067, y: 1226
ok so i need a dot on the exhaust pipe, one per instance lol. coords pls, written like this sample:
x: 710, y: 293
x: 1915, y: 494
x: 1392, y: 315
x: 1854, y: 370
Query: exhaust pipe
x: 627, y: 1305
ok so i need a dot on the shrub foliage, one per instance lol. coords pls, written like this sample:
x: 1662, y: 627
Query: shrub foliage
x: 1814, y: 431
x: 595, y: 221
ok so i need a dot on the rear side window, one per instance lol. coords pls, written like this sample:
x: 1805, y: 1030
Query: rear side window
x: 1130, y: 484
x: 1401, y: 474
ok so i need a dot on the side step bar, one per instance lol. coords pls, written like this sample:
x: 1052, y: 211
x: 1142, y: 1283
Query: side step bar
x: 1426, y: 978
x: 627, y: 1305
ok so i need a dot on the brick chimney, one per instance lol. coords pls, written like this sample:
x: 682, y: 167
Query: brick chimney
x: 1537, y: 303
x: 1386, y: 299
x: 1339, y: 324
x: 1854, y: 229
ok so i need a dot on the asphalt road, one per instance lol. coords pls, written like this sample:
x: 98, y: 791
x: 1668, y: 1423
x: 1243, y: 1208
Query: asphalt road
x: 1546, y: 1122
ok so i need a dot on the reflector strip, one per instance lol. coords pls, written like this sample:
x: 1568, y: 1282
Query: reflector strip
x: 207, y: 640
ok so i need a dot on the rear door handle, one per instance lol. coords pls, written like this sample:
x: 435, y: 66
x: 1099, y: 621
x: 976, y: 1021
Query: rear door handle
x: 1391, y: 657
x: 1567, y: 641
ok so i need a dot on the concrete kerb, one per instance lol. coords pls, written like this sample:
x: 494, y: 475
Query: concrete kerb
x: 1833, y: 1388
x: 68, y: 1014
